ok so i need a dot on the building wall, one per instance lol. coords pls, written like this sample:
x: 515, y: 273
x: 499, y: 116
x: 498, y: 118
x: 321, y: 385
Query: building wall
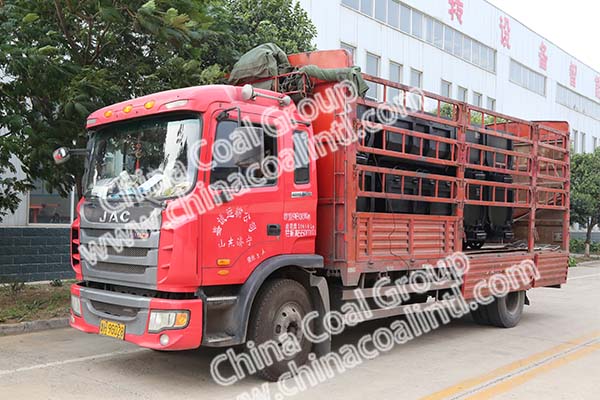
x: 34, y: 254
x: 337, y: 23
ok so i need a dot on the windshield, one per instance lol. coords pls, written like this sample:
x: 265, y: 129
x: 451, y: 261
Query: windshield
x: 149, y: 158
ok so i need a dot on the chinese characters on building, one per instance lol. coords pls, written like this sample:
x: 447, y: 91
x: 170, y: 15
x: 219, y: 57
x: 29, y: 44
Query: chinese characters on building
x: 598, y: 87
x: 456, y: 10
x: 573, y: 74
x: 505, y: 32
x: 543, y: 56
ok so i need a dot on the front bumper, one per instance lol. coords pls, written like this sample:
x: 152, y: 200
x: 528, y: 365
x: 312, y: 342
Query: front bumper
x: 134, y: 312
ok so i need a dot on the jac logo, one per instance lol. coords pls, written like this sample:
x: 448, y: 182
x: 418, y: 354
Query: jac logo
x: 123, y: 217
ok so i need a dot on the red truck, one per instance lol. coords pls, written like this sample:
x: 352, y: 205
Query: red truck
x: 445, y: 177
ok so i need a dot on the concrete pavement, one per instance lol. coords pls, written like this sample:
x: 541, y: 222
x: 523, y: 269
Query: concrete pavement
x: 553, y: 354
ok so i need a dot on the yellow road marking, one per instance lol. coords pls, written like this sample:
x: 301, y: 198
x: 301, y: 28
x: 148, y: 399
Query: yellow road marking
x: 514, y: 366
x: 511, y: 383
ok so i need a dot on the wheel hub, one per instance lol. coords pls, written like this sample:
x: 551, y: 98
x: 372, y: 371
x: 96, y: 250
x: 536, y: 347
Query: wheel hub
x: 288, y: 319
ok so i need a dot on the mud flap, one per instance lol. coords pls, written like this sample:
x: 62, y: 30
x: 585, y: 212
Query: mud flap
x: 319, y: 295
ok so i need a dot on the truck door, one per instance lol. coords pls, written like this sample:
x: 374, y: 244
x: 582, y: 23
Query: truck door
x: 300, y: 213
x: 246, y: 228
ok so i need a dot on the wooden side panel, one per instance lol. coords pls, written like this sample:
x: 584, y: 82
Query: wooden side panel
x: 381, y: 237
x: 553, y: 268
x: 485, y: 266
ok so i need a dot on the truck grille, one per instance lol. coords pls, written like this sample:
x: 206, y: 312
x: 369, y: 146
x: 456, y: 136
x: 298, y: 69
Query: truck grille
x: 114, y: 309
x: 127, y: 252
x: 120, y: 268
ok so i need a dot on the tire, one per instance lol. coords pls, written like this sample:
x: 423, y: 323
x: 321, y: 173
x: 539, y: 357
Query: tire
x: 280, y: 307
x: 506, y: 312
x: 480, y: 316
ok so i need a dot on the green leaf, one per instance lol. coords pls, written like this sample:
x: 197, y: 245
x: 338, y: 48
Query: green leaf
x: 150, y: 5
x: 29, y: 18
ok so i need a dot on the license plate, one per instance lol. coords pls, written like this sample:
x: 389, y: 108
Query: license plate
x: 112, y: 329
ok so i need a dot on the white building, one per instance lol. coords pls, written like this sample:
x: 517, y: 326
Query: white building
x: 468, y: 50
x: 464, y: 49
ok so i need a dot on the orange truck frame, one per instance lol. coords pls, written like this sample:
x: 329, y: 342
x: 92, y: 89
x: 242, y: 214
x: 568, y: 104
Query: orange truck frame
x: 320, y: 235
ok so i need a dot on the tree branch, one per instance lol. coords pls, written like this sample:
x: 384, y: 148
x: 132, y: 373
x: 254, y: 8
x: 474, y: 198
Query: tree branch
x: 63, y: 26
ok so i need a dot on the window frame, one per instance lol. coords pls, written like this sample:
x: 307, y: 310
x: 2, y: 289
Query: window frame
x: 351, y: 49
x: 373, y: 85
x: 419, y: 74
x: 72, y: 210
x: 465, y: 91
x: 304, y: 135
x: 265, y: 128
x: 449, y: 85
x: 477, y: 95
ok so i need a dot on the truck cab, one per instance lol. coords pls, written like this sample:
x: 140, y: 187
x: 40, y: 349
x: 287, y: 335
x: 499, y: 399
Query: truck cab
x: 174, y: 221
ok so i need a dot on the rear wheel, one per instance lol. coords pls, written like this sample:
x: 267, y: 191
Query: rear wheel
x: 280, y: 308
x: 503, y: 312
x: 480, y: 315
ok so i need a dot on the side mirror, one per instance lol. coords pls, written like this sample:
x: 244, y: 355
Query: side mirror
x: 253, y: 151
x: 61, y: 155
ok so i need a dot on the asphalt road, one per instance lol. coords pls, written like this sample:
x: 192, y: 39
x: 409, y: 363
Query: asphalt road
x: 553, y: 354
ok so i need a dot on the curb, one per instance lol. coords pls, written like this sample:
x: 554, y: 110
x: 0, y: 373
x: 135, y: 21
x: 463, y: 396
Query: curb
x: 594, y: 263
x: 33, y: 326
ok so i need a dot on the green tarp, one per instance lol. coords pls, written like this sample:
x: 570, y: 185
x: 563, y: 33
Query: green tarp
x: 264, y: 61
x: 352, y: 74
x: 268, y: 60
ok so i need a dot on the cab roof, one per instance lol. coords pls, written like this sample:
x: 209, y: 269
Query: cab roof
x: 196, y: 98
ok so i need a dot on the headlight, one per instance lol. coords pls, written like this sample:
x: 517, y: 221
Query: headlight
x: 76, y: 305
x: 161, y: 320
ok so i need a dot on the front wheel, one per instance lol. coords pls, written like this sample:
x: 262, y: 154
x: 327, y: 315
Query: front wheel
x: 503, y: 312
x: 279, y: 309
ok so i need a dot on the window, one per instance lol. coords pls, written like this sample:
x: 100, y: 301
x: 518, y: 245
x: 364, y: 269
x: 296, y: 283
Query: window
x: 475, y: 53
x: 458, y: 43
x: 583, y: 147
x: 380, y: 11
x: 394, y: 13
x: 351, y: 3
x: 301, y: 158
x: 527, y: 78
x: 467, y: 44
x: 448, y: 39
x: 394, y: 94
x: 577, y: 102
x: 491, y: 104
x: 595, y: 143
x: 438, y: 34
x: 446, y: 90
x: 373, y: 69
x: 483, y: 56
x: 477, y: 99
x: 405, y: 18
x: 427, y: 28
x: 416, y: 78
x: 349, y: 49
x: 463, y: 94
x: 575, y: 140
x: 366, y: 6
x: 50, y: 208
x: 223, y: 167
x: 417, y: 24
